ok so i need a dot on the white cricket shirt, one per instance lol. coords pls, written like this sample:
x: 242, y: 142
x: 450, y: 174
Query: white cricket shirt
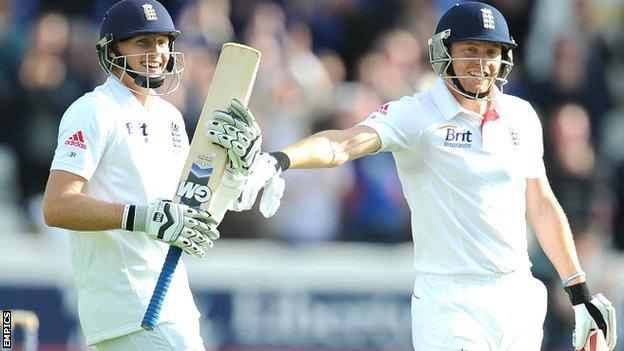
x: 465, y: 186
x: 128, y: 155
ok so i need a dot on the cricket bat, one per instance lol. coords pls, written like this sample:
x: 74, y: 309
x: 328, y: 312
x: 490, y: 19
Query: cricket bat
x: 595, y: 341
x: 233, y: 77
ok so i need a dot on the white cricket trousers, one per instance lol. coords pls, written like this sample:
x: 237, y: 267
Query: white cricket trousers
x: 478, y: 313
x: 164, y: 337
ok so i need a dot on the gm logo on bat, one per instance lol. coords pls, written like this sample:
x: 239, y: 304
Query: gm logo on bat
x: 192, y: 191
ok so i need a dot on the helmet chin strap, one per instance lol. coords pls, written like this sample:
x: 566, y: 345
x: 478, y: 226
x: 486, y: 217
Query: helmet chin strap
x: 460, y: 87
x: 144, y: 81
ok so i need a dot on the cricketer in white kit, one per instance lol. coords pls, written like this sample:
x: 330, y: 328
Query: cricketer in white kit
x: 470, y: 162
x: 120, y: 153
x: 126, y: 154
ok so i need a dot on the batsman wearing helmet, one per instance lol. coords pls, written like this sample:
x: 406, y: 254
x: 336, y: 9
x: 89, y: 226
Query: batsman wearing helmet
x: 121, y: 150
x: 469, y: 158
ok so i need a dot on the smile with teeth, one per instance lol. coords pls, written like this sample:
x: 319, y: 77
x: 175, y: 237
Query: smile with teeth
x: 152, y: 65
x: 478, y: 74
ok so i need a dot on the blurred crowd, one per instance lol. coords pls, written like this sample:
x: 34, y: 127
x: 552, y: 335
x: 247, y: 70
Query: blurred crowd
x: 329, y: 64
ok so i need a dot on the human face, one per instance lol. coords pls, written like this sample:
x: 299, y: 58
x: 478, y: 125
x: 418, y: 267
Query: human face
x: 478, y: 59
x: 146, y: 53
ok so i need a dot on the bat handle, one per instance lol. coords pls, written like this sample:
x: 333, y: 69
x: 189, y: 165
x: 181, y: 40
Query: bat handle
x: 160, y: 291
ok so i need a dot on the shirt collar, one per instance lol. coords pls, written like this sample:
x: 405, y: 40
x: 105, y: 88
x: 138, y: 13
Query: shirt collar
x: 450, y: 107
x: 119, y: 90
x: 122, y: 93
x: 444, y: 100
x: 495, y: 104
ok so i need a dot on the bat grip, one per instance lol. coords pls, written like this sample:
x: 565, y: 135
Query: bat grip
x: 160, y: 291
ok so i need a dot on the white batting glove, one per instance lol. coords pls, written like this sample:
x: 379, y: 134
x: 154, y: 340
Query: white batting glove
x: 264, y: 173
x: 591, y: 312
x: 237, y: 132
x: 175, y: 224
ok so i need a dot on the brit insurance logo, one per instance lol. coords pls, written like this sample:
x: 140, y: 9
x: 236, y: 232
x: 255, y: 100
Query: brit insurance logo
x: 456, y: 137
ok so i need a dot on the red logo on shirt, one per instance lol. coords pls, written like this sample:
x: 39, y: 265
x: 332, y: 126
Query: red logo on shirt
x: 489, y: 116
x: 76, y: 140
x: 383, y: 109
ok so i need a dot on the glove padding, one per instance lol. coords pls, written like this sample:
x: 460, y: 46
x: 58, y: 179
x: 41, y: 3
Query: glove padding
x: 263, y: 173
x: 179, y: 225
x: 598, y: 313
x: 591, y: 312
x: 237, y: 132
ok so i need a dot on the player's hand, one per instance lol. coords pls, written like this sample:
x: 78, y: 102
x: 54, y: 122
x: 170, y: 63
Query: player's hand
x: 237, y: 132
x: 263, y: 173
x: 591, y: 312
x: 179, y: 225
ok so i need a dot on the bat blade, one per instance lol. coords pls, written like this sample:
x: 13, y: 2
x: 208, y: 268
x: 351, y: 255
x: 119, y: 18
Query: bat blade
x: 595, y: 341
x: 233, y: 77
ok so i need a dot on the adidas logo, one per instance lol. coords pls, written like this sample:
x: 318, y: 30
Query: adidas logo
x: 383, y: 109
x: 76, y: 140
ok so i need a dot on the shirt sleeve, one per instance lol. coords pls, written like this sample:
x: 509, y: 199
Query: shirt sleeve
x: 535, y: 145
x: 82, y: 139
x: 394, y: 125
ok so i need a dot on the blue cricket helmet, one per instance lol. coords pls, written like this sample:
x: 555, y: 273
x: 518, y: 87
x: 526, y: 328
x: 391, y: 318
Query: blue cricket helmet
x: 129, y: 18
x: 470, y: 21
x: 475, y: 21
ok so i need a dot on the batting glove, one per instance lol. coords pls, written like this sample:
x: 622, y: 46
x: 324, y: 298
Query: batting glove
x: 237, y: 132
x: 591, y: 312
x: 264, y: 173
x: 175, y: 224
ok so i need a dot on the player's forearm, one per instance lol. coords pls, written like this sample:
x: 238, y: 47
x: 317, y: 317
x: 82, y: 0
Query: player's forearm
x: 316, y: 151
x: 555, y: 238
x: 331, y: 148
x: 77, y: 211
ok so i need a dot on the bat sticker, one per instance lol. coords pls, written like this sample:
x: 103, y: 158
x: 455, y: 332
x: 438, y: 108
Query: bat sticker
x: 195, y: 191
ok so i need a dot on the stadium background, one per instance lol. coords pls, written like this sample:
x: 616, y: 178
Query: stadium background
x: 331, y: 271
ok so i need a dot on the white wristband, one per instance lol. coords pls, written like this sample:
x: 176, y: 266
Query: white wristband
x: 566, y: 281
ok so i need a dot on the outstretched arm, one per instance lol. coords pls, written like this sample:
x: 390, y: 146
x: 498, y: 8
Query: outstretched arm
x: 332, y: 148
x: 260, y: 170
x: 325, y: 149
